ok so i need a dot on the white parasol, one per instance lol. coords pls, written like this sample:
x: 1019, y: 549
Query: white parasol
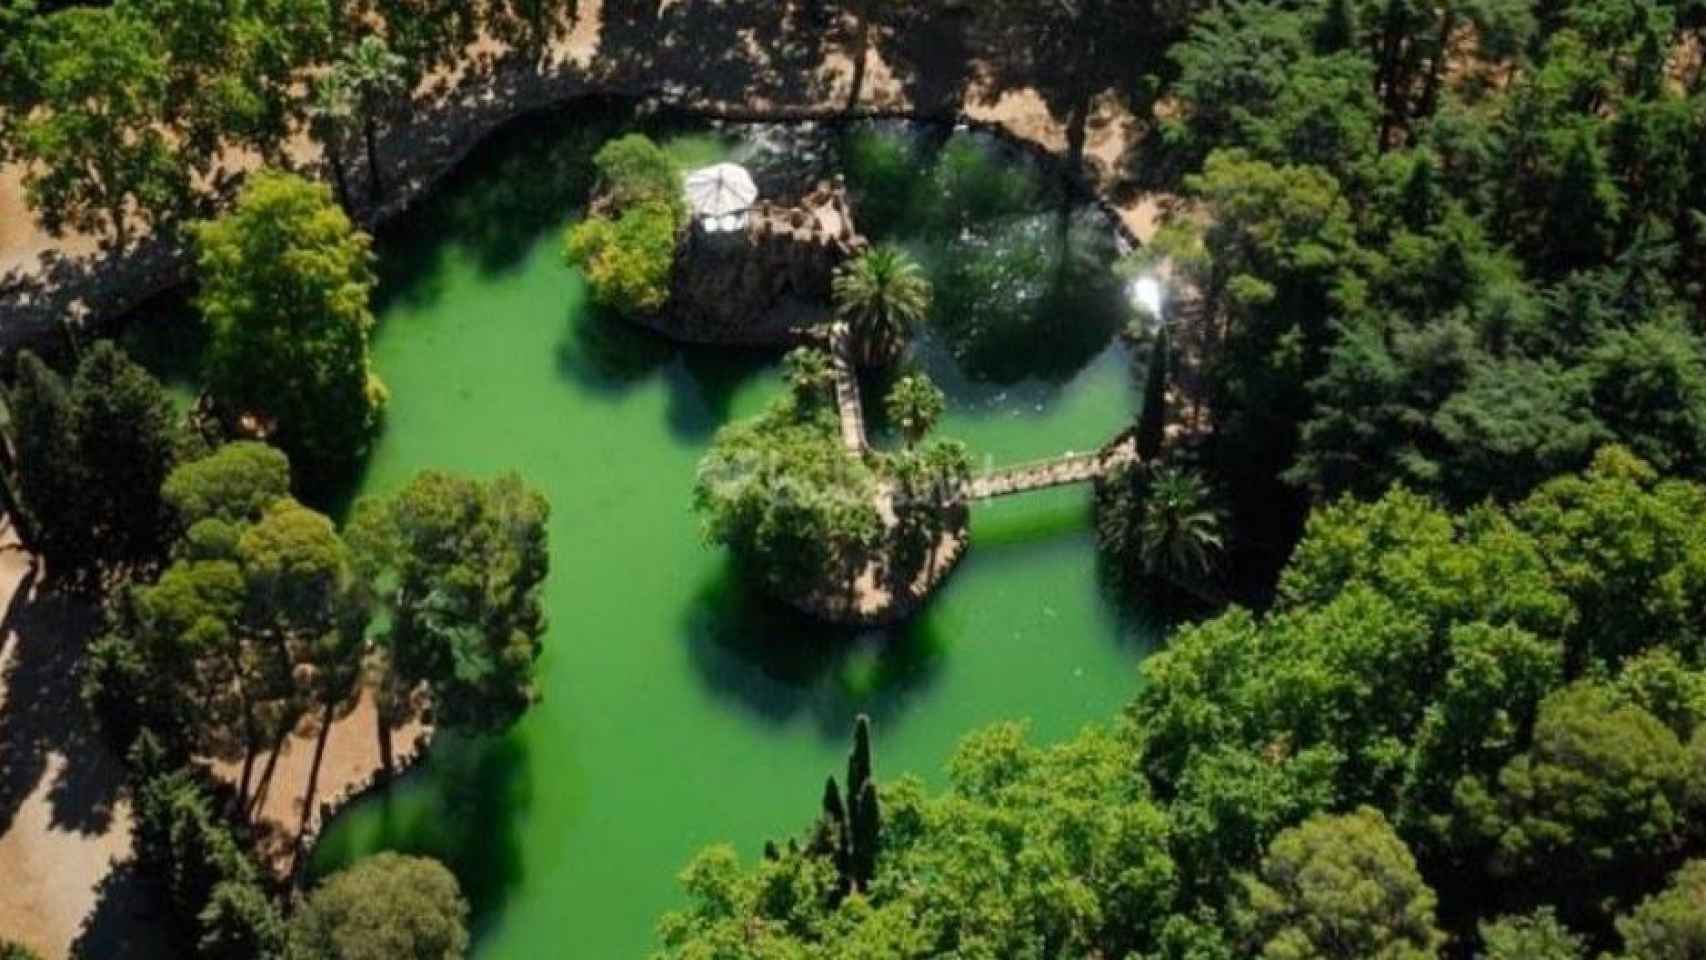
x: 720, y: 195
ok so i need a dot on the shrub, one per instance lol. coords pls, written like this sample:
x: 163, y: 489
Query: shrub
x: 627, y: 261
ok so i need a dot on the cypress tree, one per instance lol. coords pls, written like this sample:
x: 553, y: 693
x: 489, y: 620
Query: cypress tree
x: 867, y: 822
x: 127, y: 441
x: 1152, y: 422
x: 1337, y: 30
x: 833, y: 811
x: 859, y: 760
x: 48, y: 475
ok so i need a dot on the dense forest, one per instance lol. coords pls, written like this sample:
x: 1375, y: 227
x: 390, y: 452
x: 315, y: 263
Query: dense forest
x: 1436, y: 361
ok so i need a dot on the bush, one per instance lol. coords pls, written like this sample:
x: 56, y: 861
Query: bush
x: 627, y: 248
x: 627, y: 261
x: 633, y: 170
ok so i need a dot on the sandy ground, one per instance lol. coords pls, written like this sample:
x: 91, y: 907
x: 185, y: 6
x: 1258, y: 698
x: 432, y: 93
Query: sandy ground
x: 350, y: 763
x: 63, y: 824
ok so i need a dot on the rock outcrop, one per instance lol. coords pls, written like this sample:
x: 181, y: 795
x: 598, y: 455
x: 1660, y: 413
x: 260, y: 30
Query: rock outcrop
x: 768, y: 283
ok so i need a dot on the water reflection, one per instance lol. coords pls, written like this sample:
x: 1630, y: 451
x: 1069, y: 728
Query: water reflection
x: 477, y: 793
x: 1022, y: 270
x: 780, y: 665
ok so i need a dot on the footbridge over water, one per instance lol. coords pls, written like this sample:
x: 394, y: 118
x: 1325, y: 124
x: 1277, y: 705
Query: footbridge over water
x: 1064, y: 470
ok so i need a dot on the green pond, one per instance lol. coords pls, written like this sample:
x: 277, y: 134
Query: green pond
x: 678, y: 709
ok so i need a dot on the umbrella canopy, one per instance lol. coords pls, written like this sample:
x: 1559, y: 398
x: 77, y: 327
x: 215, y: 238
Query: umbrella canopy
x: 718, y: 194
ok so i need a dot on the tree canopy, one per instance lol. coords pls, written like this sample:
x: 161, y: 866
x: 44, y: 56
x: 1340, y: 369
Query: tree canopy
x: 783, y: 494
x: 285, y: 282
x: 627, y: 244
x: 384, y: 907
x: 92, y: 456
x: 458, y: 566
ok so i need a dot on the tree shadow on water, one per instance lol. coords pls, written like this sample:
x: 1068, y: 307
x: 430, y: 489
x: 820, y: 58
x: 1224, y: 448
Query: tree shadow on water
x: 528, y: 178
x: 780, y: 664
x: 605, y: 353
x: 463, y: 806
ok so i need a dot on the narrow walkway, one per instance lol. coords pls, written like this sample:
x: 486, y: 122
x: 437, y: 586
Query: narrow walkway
x: 1055, y: 472
x: 847, y: 400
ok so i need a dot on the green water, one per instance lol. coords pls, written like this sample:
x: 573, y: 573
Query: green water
x: 678, y: 710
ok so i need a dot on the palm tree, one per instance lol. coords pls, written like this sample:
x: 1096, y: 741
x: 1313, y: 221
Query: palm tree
x: 914, y: 405
x: 883, y: 296
x: 810, y: 375
x: 375, y: 75
x: 330, y: 111
x: 1181, y: 531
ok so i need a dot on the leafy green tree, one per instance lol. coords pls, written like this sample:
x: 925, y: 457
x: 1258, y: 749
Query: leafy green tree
x: 376, y: 76
x: 1669, y: 925
x: 1031, y: 852
x: 230, y: 69
x: 783, y: 494
x: 882, y: 295
x: 627, y: 245
x: 458, y: 565
x: 385, y: 906
x: 1603, y: 783
x: 13, y: 950
x: 233, y: 643
x: 1341, y: 886
x: 1649, y: 388
x: 285, y: 281
x: 1625, y: 549
x: 1482, y: 713
x: 1661, y: 683
x: 20, y: 28
x: 914, y: 404
x: 301, y: 584
x: 96, y: 158
x: 1535, y: 936
x: 634, y: 170
x: 811, y: 377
